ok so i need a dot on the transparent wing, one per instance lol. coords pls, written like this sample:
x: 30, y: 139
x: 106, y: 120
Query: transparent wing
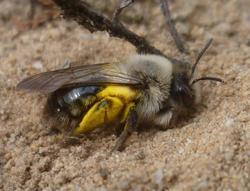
x: 94, y: 74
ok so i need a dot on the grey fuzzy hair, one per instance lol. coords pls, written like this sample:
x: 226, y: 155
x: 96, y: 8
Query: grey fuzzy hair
x: 157, y: 71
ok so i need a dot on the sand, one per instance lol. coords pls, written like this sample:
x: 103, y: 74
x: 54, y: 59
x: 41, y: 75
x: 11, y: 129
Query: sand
x: 209, y: 151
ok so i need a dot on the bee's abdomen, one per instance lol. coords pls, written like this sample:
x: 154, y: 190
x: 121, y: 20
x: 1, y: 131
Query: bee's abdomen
x: 77, y: 93
x: 75, y: 101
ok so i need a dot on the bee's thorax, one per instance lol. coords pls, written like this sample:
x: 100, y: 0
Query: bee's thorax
x: 156, y: 73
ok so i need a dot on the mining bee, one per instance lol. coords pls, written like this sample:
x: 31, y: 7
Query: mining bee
x: 142, y: 88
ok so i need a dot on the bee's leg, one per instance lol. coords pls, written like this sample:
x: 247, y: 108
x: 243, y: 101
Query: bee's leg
x: 88, y: 101
x: 131, y: 121
x: 165, y: 121
x: 103, y: 112
x: 119, y: 126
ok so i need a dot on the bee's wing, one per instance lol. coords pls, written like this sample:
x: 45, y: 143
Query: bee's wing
x: 94, y: 74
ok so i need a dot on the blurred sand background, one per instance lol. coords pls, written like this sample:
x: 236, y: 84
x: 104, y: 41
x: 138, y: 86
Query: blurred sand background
x: 210, y: 151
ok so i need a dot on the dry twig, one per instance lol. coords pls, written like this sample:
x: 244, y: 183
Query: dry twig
x: 122, y: 5
x: 92, y: 20
x: 166, y: 12
x: 81, y: 12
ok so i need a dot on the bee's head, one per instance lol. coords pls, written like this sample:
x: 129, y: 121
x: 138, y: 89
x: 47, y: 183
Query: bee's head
x: 184, y: 89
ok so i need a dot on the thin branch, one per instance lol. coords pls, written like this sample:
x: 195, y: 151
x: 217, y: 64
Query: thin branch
x: 32, y: 9
x: 122, y: 5
x: 171, y: 25
x: 82, y: 13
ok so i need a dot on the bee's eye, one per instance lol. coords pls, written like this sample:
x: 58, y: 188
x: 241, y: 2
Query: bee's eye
x: 181, y: 90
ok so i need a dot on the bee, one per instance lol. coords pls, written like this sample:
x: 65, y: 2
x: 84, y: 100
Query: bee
x: 143, y: 87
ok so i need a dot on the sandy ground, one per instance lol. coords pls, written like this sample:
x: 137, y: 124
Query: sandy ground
x: 209, y: 151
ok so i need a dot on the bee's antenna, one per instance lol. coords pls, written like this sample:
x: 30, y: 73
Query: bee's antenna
x: 207, y: 78
x: 200, y: 55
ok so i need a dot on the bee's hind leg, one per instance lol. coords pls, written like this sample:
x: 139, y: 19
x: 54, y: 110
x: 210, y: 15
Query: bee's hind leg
x: 102, y: 112
x: 131, y: 121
